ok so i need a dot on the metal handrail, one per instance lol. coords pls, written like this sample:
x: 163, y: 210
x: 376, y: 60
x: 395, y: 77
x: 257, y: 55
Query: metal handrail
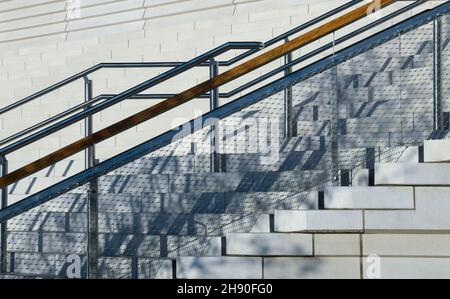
x: 130, y: 92
x: 230, y: 94
x: 213, y: 53
x: 180, y: 99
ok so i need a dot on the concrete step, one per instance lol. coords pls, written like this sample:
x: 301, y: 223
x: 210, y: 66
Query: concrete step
x: 269, y: 244
x: 408, y: 268
x: 384, y: 139
x: 269, y: 181
x: 173, y: 224
x: 312, y: 268
x: 406, y: 245
x: 368, y: 198
x: 205, y: 203
x: 337, y: 244
x: 436, y: 151
x: 219, y: 268
x: 293, y: 161
x: 115, y: 245
x: 432, y: 205
x: 389, y: 123
x: 413, y: 174
x: 318, y: 221
x: 59, y: 266
x: 383, y: 109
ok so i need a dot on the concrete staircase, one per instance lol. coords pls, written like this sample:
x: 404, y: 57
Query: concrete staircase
x: 167, y: 216
x: 400, y: 225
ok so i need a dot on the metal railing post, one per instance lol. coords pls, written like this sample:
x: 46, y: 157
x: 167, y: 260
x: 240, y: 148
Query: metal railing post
x: 288, y: 94
x: 437, y: 78
x: 92, y: 196
x: 335, y: 120
x: 214, y: 104
x: 3, y: 226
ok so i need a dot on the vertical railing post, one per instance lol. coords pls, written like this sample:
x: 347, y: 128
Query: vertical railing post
x: 334, y: 102
x: 92, y: 196
x: 214, y: 104
x: 437, y: 78
x: 3, y: 226
x: 288, y: 94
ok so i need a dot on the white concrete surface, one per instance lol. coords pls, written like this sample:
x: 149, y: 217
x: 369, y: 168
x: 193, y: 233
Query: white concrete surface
x: 432, y: 245
x: 430, y: 214
x: 312, y: 268
x: 436, y: 150
x: 366, y: 198
x: 269, y: 244
x: 219, y: 268
x: 407, y: 268
x: 423, y: 174
x: 337, y: 245
x: 318, y: 221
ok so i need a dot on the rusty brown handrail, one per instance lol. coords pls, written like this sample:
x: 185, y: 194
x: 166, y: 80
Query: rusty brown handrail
x: 193, y: 92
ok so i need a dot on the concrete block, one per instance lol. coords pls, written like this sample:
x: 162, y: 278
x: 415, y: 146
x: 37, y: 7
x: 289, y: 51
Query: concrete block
x: 402, y: 245
x: 430, y: 215
x: 261, y: 224
x: 119, y: 203
x: 129, y: 245
x: 268, y: 202
x: 366, y: 198
x: 152, y: 223
x: 33, y: 263
x: 23, y: 242
x: 436, y: 150
x: 193, y: 246
x: 219, y: 268
x: 312, y: 268
x: 207, y: 183
x: 407, y: 268
x: 318, y: 221
x: 361, y: 178
x: 115, y: 267
x: 184, y: 202
x: 66, y: 243
x: 409, y: 155
x: 220, y: 224
x: 336, y: 245
x: 269, y: 244
x: 155, y: 269
x: 425, y: 174
x: 135, y: 184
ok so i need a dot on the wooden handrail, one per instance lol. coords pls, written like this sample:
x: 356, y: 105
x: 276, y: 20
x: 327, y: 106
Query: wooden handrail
x: 193, y: 92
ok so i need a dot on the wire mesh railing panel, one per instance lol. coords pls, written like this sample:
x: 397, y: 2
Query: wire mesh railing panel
x: 445, y: 73
x: 230, y: 174
x: 50, y: 240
